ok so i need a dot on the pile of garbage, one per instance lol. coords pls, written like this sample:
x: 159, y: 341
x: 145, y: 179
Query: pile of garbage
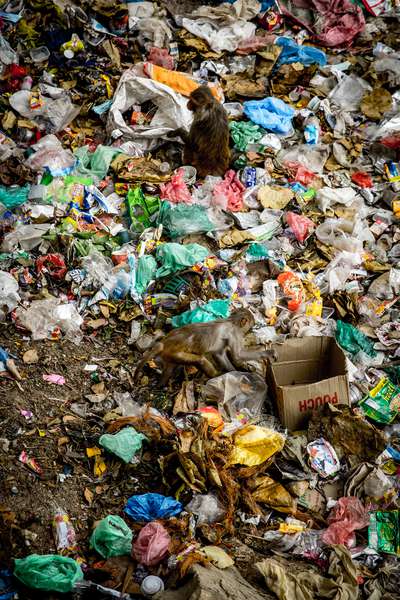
x: 241, y: 436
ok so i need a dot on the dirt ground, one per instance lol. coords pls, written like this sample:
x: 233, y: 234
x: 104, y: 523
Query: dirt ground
x: 57, y: 438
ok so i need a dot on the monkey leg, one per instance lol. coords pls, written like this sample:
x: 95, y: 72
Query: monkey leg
x: 188, y: 358
x: 168, y: 371
x: 223, y: 361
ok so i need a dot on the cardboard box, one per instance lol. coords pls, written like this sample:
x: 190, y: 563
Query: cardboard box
x: 309, y: 372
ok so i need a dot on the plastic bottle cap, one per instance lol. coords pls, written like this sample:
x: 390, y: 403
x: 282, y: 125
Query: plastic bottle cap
x: 69, y: 53
x: 151, y: 585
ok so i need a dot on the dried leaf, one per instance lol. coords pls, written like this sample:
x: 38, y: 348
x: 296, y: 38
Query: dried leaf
x: 30, y: 357
x: 62, y: 441
x: 96, y: 323
x: 88, y: 496
x: 98, y: 388
x: 105, y: 311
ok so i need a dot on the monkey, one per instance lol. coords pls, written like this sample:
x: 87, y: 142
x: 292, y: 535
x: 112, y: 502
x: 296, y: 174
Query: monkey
x: 200, y: 344
x: 207, y: 144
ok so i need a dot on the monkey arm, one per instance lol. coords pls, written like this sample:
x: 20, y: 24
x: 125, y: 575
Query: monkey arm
x: 179, y: 133
x: 240, y: 354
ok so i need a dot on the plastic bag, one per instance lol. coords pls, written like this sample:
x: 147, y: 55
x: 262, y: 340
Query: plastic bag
x: 13, y: 195
x: 244, y: 133
x: 145, y: 273
x: 214, y: 309
x: 176, y: 190
x: 50, y: 155
x: 53, y: 264
x: 9, y: 297
x: 323, y: 458
x: 151, y: 545
x: 112, y: 537
x: 312, y: 156
x: 125, y: 444
x: 271, y: 113
x: 293, y: 53
x: 161, y: 57
x: 48, y: 572
x: 352, y: 339
x: 253, y: 445
x: 142, y: 209
x: 302, y: 227
x: 149, y: 507
x: 135, y: 88
x: 383, y: 402
x: 182, y: 219
x: 175, y: 257
x: 228, y: 193
x: 346, y: 516
x: 95, y: 164
x: 207, y: 508
x: 292, y: 287
x: 42, y: 316
x: 349, y: 92
x: 236, y: 393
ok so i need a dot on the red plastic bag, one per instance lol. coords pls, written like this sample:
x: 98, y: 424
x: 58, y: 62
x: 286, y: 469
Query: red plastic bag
x: 302, y: 227
x: 228, y: 193
x: 346, y: 516
x: 151, y: 545
x: 292, y: 287
x: 53, y: 264
x: 176, y: 190
x: 362, y: 179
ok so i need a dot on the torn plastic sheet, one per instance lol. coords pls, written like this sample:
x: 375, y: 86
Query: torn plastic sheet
x: 332, y: 22
x: 135, y: 88
x: 54, y: 114
x: 223, y: 27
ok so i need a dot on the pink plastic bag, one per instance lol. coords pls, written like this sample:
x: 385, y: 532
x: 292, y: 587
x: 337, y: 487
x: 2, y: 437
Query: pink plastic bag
x: 299, y: 172
x: 228, y: 193
x: 346, y: 516
x: 151, y: 545
x: 301, y: 226
x: 176, y: 190
x: 161, y: 57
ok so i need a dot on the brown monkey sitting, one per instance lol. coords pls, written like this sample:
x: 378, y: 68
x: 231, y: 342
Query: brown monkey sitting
x: 200, y: 344
x: 207, y: 144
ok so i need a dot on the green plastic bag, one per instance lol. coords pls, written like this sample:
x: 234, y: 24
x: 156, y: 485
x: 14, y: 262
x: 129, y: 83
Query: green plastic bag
x: 124, y: 444
x: 112, y: 537
x: 383, y: 402
x: 49, y: 572
x: 146, y: 272
x: 14, y: 195
x: 95, y: 164
x: 175, y: 257
x: 244, y: 133
x: 183, y: 219
x: 352, y: 340
x: 213, y: 310
x: 142, y: 209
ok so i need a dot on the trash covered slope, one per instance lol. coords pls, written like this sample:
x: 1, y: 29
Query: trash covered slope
x: 199, y: 299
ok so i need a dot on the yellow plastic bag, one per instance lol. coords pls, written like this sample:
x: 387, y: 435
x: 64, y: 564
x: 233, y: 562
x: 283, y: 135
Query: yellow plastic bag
x: 253, y: 445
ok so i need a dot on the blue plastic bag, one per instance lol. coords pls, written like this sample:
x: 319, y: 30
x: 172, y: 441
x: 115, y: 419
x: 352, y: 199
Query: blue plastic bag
x: 213, y: 310
x: 271, y: 113
x: 149, y: 507
x: 292, y: 52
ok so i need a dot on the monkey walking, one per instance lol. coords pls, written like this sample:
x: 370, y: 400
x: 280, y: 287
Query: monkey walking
x: 207, y: 143
x: 200, y: 344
